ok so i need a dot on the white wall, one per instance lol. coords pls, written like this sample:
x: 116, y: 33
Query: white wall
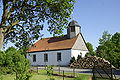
x: 77, y: 30
x: 52, y: 57
x: 75, y: 53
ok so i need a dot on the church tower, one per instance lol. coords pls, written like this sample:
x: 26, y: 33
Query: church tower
x: 73, y: 29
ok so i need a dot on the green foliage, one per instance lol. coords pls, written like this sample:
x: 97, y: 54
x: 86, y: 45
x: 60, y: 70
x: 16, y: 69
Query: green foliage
x: 23, y: 20
x: 109, y: 48
x: 91, y: 50
x: 2, y: 58
x: 105, y: 37
x: 72, y: 60
x: 13, y: 62
x: 116, y: 42
x: 49, y: 70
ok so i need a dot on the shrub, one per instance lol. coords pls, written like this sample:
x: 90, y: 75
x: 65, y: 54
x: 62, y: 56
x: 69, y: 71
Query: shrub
x: 79, y: 57
x: 49, y: 70
x: 72, y: 60
x: 12, y: 61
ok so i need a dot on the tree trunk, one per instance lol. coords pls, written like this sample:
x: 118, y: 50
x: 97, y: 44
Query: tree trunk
x: 1, y: 38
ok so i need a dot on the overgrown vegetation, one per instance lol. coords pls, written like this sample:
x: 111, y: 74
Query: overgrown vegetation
x: 13, y: 62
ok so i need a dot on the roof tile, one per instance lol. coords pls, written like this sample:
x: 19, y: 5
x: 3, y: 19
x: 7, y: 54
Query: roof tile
x: 53, y: 43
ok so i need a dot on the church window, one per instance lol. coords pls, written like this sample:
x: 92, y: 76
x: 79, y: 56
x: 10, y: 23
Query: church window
x: 72, y: 29
x: 34, y: 58
x: 45, y: 57
x: 59, y: 56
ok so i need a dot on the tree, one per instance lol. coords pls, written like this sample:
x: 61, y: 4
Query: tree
x: 105, y: 37
x: 116, y: 41
x: 91, y: 50
x: 109, y: 48
x: 11, y: 61
x: 2, y: 58
x: 103, y: 49
x: 23, y: 20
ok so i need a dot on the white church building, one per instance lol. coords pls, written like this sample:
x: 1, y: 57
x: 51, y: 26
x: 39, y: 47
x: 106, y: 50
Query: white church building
x: 58, y: 50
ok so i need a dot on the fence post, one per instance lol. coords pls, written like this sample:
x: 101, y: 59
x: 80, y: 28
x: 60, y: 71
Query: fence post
x: 74, y: 72
x: 59, y: 69
x: 93, y: 78
x: 111, y: 70
x: 45, y: 65
x: 37, y: 68
x: 63, y: 74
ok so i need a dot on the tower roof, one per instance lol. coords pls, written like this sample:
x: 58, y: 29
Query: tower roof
x: 73, y: 23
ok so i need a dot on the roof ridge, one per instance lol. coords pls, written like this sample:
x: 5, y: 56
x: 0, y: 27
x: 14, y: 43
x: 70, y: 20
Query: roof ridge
x: 54, y: 37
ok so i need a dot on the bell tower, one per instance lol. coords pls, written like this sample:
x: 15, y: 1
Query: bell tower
x: 73, y: 29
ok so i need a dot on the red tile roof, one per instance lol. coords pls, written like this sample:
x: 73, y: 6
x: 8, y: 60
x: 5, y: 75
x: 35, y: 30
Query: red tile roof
x: 53, y: 43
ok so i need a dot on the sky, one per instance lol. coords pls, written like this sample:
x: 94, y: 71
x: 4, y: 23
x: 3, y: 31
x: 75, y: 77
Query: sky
x: 95, y: 17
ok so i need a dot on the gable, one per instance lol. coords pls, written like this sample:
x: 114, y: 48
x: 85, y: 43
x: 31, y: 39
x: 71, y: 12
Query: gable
x: 80, y: 44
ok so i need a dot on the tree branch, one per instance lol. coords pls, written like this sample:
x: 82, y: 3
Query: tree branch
x: 5, y: 11
x: 11, y: 9
x: 8, y: 28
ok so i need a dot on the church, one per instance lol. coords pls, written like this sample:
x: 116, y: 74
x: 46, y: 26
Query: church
x: 59, y: 50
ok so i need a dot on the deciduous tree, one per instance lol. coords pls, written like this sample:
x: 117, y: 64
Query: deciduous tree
x: 109, y: 48
x: 91, y: 50
x: 23, y: 20
x: 12, y: 61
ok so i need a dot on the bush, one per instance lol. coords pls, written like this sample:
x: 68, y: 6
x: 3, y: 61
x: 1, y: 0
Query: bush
x: 72, y: 60
x: 79, y: 57
x: 11, y: 61
x: 49, y: 70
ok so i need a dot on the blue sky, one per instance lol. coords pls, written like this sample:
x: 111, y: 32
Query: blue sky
x: 95, y: 17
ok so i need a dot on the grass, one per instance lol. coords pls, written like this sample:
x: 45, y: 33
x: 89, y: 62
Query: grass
x: 105, y: 79
x: 8, y: 77
x: 43, y: 76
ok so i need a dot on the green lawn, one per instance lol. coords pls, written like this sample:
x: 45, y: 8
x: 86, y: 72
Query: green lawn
x: 42, y: 76
x: 8, y: 77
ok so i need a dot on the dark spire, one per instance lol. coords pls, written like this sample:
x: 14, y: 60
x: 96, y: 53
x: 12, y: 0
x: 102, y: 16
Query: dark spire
x: 73, y: 23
